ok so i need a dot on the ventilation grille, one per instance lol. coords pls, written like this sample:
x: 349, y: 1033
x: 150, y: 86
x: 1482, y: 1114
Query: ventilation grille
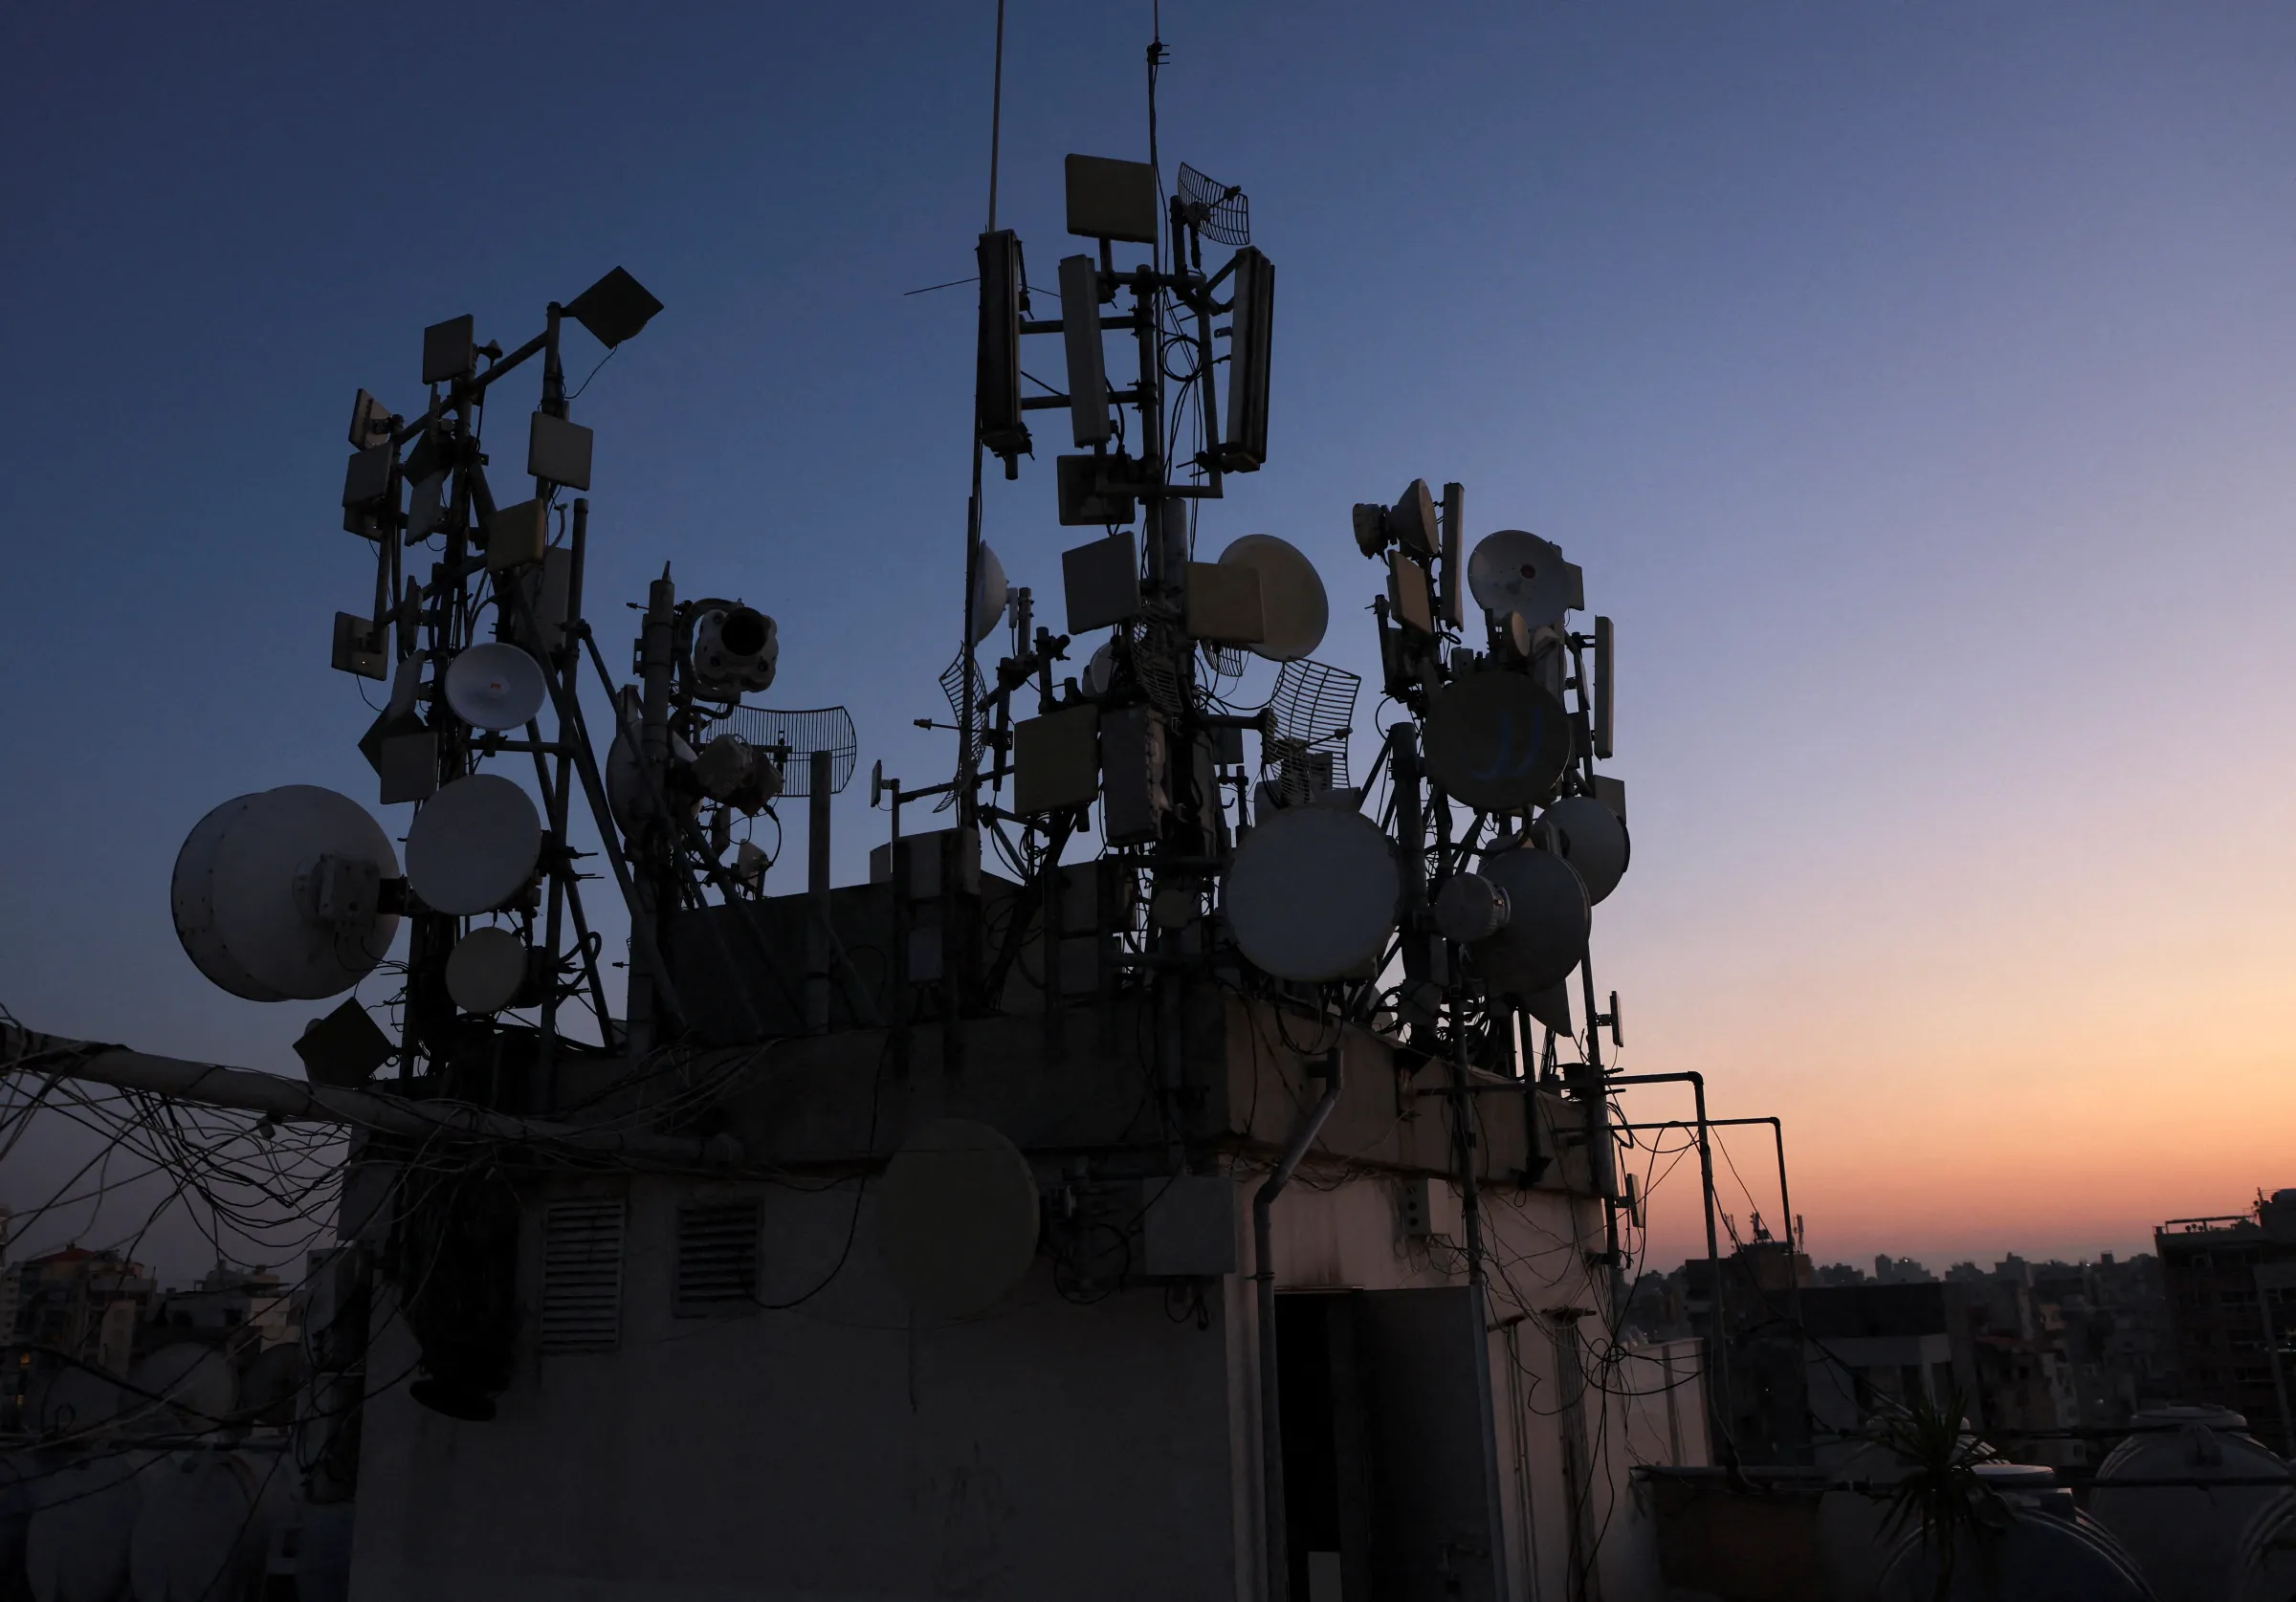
x: 581, y: 1274
x: 716, y: 1257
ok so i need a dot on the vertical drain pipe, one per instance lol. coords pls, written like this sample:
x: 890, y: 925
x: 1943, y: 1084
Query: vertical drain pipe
x: 1263, y: 1257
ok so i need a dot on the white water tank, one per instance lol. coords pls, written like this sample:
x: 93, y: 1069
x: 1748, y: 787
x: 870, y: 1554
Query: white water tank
x: 204, y: 1525
x: 76, y: 1546
x: 2184, y: 1537
x: 2050, y: 1551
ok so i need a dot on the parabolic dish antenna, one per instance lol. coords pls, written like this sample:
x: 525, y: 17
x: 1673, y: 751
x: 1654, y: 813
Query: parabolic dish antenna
x: 1294, y: 607
x: 473, y: 844
x: 1515, y: 571
x: 989, y: 592
x: 275, y: 894
x: 1100, y: 671
x: 1547, y: 923
x: 1311, y: 894
x: 1497, y: 741
x: 486, y: 969
x: 496, y: 686
x: 957, y: 1218
x: 1592, y: 840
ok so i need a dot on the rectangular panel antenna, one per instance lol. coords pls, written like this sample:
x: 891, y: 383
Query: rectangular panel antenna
x: 997, y: 382
x: 559, y: 451
x: 450, y: 350
x: 1101, y: 581
x: 1454, y: 546
x: 1112, y: 199
x: 1224, y: 603
x: 1087, y: 362
x: 1245, y: 449
x: 1605, y: 654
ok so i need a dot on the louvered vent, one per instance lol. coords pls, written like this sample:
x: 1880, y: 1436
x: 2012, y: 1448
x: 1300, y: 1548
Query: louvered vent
x: 581, y: 1274
x: 717, y: 1256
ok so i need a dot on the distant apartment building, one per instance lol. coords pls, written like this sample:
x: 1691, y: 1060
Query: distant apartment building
x: 2231, y: 1287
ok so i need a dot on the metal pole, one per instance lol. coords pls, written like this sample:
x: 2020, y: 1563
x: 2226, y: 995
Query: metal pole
x: 1718, y: 1400
x: 817, y: 894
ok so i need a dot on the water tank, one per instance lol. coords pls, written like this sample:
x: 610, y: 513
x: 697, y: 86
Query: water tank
x: 2264, y: 1569
x: 2047, y: 1552
x: 204, y: 1525
x: 2184, y: 1537
x: 76, y: 1546
x: 197, y: 1386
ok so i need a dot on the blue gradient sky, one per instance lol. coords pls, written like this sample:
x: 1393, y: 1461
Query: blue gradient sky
x: 1913, y: 384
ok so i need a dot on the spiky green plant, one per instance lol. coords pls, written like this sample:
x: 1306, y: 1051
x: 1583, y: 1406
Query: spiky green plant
x: 1941, y: 1493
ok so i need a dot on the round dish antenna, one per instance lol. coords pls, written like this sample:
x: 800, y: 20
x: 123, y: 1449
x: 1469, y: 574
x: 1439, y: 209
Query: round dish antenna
x: 990, y: 593
x: 1311, y: 894
x: 1294, y: 607
x: 1497, y: 741
x: 1547, y: 923
x: 496, y: 686
x: 276, y: 895
x: 486, y: 969
x: 1470, y: 908
x: 957, y: 1218
x: 1590, y: 837
x: 1100, y: 671
x: 473, y: 844
x: 1515, y: 571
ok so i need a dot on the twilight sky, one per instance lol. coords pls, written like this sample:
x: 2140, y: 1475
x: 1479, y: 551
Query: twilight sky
x: 1914, y: 384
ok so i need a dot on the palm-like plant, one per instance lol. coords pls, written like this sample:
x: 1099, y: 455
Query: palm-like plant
x: 1941, y: 1493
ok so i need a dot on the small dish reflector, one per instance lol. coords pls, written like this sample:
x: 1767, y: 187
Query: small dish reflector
x: 486, y: 969
x: 957, y: 1218
x: 1311, y: 894
x: 1294, y: 611
x: 1547, y: 924
x: 1470, y: 908
x: 1515, y: 571
x: 1100, y: 671
x: 496, y: 686
x: 990, y: 593
x: 1592, y: 840
x: 473, y: 844
x: 275, y: 894
x: 1497, y: 741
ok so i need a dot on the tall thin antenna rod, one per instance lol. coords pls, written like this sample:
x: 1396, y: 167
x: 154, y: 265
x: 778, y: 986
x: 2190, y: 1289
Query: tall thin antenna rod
x: 996, y: 117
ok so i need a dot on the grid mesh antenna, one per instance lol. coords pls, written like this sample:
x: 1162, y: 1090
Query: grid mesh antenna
x: 1219, y: 211
x: 1313, y: 708
x: 793, y: 736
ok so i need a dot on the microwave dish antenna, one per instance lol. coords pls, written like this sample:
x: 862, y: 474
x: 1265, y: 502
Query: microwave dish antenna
x: 276, y: 895
x: 1547, y: 923
x: 1293, y: 606
x: 1515, y: 571
x: 1593, y: 839
x: 735, y: 650
x: 486, y: 969
x: 1311, y: 894
x: 957, y: 1218
x: 1497, y: 741
x: 990, y: 591
x: 473, y: 844
x: 496, y: 686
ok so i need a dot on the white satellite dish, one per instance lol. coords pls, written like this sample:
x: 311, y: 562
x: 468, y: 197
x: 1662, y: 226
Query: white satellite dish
x: 1311, y: 894
x: 473, y: 844
x: 486, y: 969
x: 956, y: 1218
x: 1547, y: 923
x: 1593, y: 839
x: 275, y: 894
x: 1515, y: 571
x: 496, y: 686
x: 1100, y: 671
x: 990, y: 593
x: 1294, y: 607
